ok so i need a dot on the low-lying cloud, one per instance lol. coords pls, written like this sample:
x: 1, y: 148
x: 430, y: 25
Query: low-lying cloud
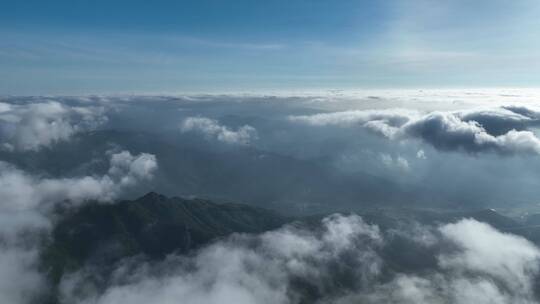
x: 19, y: 190
x: 212, y: 129
x: 26, y: 201
x: 19, y: 279
x: 502, y: 130
x: 342, y: 262
x: 252, y: 269
x: 398, y: 162
x: 35, y: 125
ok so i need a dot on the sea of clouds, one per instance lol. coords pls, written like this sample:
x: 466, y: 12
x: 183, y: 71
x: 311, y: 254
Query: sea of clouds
x: 342, y: 261
x: 478, y: 146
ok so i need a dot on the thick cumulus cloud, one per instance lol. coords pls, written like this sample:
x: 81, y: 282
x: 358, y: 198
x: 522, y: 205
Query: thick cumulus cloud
x: 513, y: 264
x: 474, y: 268
x: 343, y: 261
x: 25, y: 198
x: 25, y: 203
x: 253, y: 269
x: 449, y: 131
x: 31, y: 126
x: 19, y: 191
x: 19, y: 279
x: 503, y: 130
x: 212, y: 129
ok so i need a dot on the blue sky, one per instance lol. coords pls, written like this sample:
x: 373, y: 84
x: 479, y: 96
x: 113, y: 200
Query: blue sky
x: 85, y: 47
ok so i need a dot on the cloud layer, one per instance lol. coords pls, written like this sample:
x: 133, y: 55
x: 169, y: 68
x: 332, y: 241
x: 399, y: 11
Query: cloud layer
x: 25, y: 204
x: 21, y: 191
x: 501, y: 130
x: 342, y: 262
x: 343, y: 259
x: 36, y: 125
x: 212, y: 129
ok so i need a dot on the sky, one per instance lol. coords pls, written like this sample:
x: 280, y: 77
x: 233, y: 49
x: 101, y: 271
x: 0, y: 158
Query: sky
x: 95, y: 47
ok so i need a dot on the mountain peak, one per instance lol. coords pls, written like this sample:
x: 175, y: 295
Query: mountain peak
x: 152, y: 197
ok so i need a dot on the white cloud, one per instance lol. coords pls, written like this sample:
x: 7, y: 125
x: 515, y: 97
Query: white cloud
x: 387, y: 159
x: 19, y: 278
x: 36, y: 125
x: 500, y: 130
x: 477, y: 270
x: 212, y: 129
x: 24, y: 204
x: 341, y: 263
x: 402, y: 163
x: 391, y: 117
x: 20, y: 191
x: 398, y: 162
x: 481, y: 250
x: 252, y: 269
x: 448, y: 131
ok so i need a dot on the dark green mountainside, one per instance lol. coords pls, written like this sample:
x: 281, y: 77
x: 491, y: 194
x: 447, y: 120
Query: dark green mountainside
x: 100, y: 236
x: 153, y: 225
